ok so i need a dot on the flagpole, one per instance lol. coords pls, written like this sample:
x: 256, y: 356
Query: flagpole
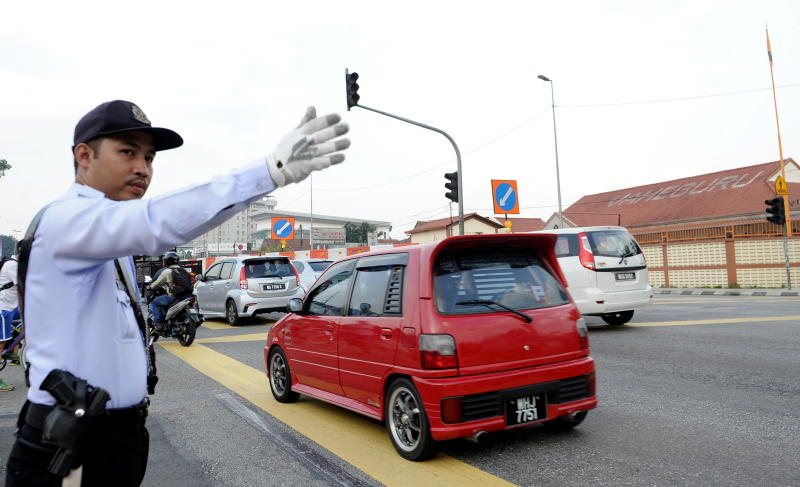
x: 787, y: 227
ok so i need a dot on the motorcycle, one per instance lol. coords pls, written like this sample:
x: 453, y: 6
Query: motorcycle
x: 181, y: 320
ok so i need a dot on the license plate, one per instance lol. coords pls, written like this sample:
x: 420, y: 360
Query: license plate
x: 272, y: 287
x: 626, y: 276
x: 526, y: 409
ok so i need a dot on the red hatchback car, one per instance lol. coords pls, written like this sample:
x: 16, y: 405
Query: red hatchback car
x: 457, y: 338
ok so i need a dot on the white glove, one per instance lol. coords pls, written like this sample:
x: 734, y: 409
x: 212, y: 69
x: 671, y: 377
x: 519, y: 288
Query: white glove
x: 308, y: 148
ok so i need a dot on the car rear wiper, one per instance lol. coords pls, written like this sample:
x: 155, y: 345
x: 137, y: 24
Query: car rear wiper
x: 488, y: 302
x: 269, y: 275
x: 625, y: 255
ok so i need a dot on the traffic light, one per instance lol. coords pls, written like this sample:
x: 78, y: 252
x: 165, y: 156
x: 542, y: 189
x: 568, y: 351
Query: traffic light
x: 352, y: 90
x: 452, y: 186
x: 776, y: 210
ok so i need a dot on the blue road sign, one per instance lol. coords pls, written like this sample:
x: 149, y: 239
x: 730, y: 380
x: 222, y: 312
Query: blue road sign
x: 505, y: 197
x: 282, y: 228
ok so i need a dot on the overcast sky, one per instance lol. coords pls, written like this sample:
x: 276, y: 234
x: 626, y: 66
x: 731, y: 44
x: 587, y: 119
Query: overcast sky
x: 232, y: 77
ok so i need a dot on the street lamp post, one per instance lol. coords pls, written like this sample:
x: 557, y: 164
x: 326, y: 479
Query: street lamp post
x: 555, y: 139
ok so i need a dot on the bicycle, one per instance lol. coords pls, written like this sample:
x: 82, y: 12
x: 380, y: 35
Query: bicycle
x: 17, y: 344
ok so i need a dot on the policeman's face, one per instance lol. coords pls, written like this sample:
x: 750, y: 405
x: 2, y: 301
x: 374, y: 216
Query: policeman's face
x: 121, y: 167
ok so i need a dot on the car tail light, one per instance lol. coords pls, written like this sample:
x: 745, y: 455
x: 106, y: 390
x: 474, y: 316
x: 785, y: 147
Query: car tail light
x: 583, y: 332
x: 592, y: 385
x: 242, y: 279
x: 437, y: 352
x: 451, y: 410
x: 586, y: 256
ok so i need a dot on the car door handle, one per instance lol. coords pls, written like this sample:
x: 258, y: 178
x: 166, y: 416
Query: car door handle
x: 386, y: 333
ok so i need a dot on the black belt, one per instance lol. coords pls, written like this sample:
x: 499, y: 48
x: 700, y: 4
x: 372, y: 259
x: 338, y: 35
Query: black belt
x: 36, y: 414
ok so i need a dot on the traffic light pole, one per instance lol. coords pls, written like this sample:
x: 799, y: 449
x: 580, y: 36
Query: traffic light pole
x: 458, y: 159
x: 786, y: 253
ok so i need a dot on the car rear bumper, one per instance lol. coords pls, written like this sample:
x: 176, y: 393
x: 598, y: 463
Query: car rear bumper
x: 250, y: 306
x: 486, y: 386
x: 593, y: 301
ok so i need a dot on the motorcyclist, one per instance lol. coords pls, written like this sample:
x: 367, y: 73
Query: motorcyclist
x: 160, y: 304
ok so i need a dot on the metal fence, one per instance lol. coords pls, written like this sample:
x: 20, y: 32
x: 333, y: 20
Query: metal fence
x: 717, y: 231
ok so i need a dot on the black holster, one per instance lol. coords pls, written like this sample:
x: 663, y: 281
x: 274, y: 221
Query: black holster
x: 78, y: 416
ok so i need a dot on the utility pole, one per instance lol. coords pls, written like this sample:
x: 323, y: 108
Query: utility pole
x: 787, y: 226
x: 555, y: 140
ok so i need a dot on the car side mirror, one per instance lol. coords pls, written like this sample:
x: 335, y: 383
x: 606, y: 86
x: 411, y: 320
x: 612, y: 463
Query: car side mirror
x: 200, y: 277
x: 295, y: 305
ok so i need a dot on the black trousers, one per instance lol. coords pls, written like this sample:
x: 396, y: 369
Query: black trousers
x: 118, y: 457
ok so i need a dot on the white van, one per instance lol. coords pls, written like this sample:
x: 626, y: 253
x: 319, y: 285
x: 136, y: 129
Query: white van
x: 606, y: 271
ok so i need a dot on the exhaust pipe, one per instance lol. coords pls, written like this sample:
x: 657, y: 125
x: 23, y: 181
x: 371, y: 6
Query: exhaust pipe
x: 478, y: 437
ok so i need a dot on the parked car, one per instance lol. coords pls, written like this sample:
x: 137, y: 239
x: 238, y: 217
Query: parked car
x: 457, y: 338
x: 606, y: 271
x: 244, y: 286
x: 310, y: 269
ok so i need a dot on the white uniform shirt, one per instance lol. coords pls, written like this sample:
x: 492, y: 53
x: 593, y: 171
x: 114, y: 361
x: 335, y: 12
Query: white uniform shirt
x: 76, y: 316
x: 8, y: 297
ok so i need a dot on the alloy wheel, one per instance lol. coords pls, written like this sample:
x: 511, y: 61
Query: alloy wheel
x: 277, y: 374
x: 405, y: 421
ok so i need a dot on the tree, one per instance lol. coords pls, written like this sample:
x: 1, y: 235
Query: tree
x: 269, y: 245
x: 357, y: 233
x: 259, y: 235
x: 4, y: 166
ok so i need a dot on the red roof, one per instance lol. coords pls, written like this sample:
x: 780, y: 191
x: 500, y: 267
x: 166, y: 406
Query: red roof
x: 423, y: 226
x: 519, y: 225
x: 722, y: 194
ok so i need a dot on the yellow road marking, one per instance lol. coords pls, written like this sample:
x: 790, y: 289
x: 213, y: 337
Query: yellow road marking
x: 357, y: 440
x: 221, y: 325
x: 250, y: 337
x: 217, y: 325
x: 717, y: 321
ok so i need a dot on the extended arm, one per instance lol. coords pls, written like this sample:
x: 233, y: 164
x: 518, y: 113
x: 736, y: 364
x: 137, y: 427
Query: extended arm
x: 85, y: 231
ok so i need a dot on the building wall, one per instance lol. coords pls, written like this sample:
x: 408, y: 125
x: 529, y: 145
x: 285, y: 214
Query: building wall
x: 476, y: 227
x: 696, y: 254
x: 472, y: 226
x: 766, y: 251
x: 721, y: 255
x: 432, y: 236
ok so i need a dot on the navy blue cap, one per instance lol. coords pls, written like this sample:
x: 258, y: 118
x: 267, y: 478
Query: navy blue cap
x: 118, y: 116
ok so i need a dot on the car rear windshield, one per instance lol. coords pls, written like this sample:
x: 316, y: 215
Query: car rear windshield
x: 613, y: 243
x: 254, y: 269
x: 321, y: 265
x: 512, y: 277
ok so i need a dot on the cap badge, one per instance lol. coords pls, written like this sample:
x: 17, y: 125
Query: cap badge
x: 139, y: 115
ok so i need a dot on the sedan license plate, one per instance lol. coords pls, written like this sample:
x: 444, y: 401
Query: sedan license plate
x: 626, y: 276
x: 526, y: 409
x: 272, y: 287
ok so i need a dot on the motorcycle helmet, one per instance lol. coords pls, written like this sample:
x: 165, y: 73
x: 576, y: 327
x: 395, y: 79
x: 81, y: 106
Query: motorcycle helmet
x: 171, y: 258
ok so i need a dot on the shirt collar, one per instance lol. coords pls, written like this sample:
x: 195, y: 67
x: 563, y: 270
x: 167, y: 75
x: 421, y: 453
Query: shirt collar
x: 78, y: 189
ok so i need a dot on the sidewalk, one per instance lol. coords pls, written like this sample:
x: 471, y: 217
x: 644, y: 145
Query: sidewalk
x: 727, y: 292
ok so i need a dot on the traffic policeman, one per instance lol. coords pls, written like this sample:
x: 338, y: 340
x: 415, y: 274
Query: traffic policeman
x: 78, y: 313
